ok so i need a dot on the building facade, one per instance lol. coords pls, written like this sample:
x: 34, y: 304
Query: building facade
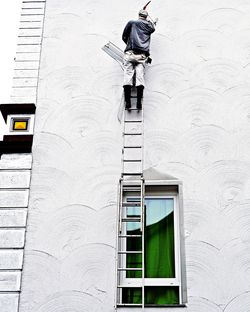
x: 58, y: 205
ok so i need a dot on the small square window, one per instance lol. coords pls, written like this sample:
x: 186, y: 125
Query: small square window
x: 20, y: 124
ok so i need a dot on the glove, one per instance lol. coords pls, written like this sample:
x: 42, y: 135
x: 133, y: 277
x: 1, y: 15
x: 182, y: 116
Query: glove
x: 156, y: 20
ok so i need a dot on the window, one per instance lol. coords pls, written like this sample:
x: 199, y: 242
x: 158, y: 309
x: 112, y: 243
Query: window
x: 20, y: 124
x: 154, y: 255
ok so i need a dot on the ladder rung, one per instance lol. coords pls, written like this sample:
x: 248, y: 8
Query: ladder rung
x: 130, y: 252
x: 127, y: 286
x: 135, y: 189
x: 131, y: 133
x: 125, y: 236
x: 135, y: 109
x: 130, y: 182
x: 129, y: 269
x: 131, y: 186
x: 132, y: 173
x: 132, y: 160
x: 128, y: 187
x: 131, y: 219
x: 132, y: 121
x: 133, y: 97
x: 133, y: 204
x: 129, y: 304
x: 135, y: 146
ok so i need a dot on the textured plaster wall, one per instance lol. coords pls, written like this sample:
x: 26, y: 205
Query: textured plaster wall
x: 197, y: 128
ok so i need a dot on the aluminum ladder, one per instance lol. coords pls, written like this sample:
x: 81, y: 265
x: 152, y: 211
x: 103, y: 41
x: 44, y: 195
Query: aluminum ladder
x: 131, y: 185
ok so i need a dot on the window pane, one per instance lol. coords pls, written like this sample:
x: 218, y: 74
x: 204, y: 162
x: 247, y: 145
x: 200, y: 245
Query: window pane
x: 161, y: 295
x: 159, y: 238
x: 134, y: 211
x: 132, y: 295
x: 134, y: 260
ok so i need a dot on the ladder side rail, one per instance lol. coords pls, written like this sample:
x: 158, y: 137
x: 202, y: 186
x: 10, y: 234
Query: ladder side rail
x: 117, y: 247
x: 115, y: 52
x: 143, y: 218
x: 123, y: 151
x: 136, y: 173
x: 110, y: 45
x: 142, y: 141
x: 120, y: 206
x: 118, y: 243
x: 143, y: 240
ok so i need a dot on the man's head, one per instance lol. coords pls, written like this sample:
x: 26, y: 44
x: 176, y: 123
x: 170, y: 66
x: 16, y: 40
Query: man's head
x: 143, y: 14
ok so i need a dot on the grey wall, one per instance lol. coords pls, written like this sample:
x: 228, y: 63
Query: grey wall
x: 197, y: 129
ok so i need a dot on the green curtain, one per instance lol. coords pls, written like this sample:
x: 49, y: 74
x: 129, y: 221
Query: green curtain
x: 154, y: 295
x: 134, y: 260
x: 159, y: 253
x: 159, y: 249
x: 132, y: 295
x: 161, y: 295
x: 134, y: 243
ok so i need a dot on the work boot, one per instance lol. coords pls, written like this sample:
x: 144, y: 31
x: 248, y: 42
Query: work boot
x: 127, y: 96
x: 139, y: 96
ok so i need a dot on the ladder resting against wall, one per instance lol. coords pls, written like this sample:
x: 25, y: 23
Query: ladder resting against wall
x: 130, y: 225
x: 130, y: 242
x: 139, y: 283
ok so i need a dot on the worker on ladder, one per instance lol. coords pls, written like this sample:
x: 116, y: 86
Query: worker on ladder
x: 136, y: 35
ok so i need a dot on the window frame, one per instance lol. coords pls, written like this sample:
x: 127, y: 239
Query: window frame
x: 20, y: 117
x: 180, y: 273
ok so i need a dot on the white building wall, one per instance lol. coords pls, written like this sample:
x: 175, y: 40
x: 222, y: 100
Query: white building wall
x: 197, y: 128
x: 15, y: 171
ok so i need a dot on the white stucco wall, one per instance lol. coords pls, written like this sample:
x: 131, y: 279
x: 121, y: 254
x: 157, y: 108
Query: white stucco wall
x: 197, y: 128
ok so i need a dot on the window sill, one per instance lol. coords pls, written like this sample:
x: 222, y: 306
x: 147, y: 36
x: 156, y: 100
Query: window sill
x: 165, y: 306
x: 154, y: 306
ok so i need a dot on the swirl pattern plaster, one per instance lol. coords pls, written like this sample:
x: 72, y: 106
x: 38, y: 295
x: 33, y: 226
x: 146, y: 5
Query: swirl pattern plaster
x: 196, y: 129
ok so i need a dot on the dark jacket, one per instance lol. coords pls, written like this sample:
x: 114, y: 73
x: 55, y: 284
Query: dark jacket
x: 137, y: 34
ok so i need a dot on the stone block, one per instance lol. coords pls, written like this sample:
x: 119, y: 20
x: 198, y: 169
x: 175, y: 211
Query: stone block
x: 15, y: 161
x: 9, y: 302
x: 14, y: 198
x: 13, y: 217
x: 11, y: 259
x: 10, y: 281
x: 14, y: 179
x: 10, y: 238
